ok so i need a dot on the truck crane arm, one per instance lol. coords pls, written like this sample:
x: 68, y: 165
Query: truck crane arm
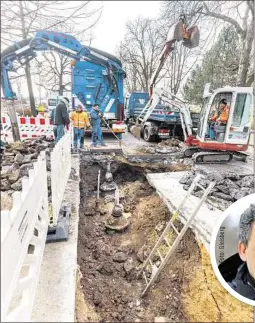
x: 189, y: 37
x: 25, y: 50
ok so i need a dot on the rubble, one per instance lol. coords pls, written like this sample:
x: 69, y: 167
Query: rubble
x: 229, y: 186
x: 17, y: 160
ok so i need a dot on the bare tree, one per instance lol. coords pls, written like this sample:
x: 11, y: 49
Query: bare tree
x: 215, y: 14
x: 139, y: 52
x: 21, y: 19
x: 240, y: 14
x: 54, y: 72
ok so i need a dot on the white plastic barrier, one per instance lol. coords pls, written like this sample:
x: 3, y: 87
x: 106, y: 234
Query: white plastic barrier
x: 23, y: 236
x: 60, y: 171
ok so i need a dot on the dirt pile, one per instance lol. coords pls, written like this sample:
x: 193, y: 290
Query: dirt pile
x: 17, y: 160
x: 229, y: 186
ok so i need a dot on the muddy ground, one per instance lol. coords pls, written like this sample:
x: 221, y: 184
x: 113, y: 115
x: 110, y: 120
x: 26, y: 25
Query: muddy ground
x: 108, y: 288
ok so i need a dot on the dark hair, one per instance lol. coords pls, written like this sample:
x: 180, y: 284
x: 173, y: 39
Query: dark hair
x: 66, y: 99
x: 95, y: 105
x: 246, y: 221
x: 224, y: 101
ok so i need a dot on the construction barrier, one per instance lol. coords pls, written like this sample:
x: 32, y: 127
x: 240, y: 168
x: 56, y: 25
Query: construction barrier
x: 60, y: 170
x: 23, y: 236
x: 29, y: 127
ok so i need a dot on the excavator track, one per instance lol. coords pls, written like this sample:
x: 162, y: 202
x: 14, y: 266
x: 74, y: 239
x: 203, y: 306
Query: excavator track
x: 214, y: 157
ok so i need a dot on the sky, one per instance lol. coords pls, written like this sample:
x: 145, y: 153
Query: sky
x: 110, y: 30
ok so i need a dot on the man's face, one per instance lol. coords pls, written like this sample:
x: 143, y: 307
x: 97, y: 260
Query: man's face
x: 247, y: 254
x: 96, y: 108
x: 79, y: 109
x: 222, y: 106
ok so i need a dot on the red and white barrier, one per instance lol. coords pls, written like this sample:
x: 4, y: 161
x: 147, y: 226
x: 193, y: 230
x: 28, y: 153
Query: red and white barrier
x: 29, y: 127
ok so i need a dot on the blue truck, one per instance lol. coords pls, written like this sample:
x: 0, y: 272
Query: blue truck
x: 163, y: 123
x: 97, y: 77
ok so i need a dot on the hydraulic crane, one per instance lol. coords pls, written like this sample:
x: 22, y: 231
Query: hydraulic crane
x: 107, y: 87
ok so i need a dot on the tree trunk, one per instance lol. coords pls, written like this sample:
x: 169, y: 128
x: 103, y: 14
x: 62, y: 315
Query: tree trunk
x: 14, y: 121
x: 244, y: 60
x: 27, y: 66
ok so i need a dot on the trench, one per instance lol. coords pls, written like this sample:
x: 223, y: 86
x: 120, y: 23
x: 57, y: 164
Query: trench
x: 108, y: 289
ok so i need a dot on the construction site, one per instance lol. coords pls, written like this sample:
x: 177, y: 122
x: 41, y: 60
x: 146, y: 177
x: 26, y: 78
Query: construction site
x: 110, y: 218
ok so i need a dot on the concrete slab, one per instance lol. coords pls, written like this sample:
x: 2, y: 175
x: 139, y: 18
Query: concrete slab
x: 55, y: 297
x: 168, y: 187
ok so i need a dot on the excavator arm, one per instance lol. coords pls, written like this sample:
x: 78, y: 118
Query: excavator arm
x: 179, y: 106
x: 179, y: 32
x: 25, y: 50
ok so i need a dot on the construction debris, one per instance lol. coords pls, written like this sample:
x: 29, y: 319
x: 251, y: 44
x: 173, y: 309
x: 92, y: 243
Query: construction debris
x: 229, y: 186
x: 17, y: 160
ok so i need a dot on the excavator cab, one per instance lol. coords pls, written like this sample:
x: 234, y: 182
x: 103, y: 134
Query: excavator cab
x: 234, y: 135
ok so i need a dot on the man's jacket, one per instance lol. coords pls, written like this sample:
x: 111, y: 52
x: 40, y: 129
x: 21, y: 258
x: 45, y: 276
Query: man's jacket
x: 61, y: 115
x: 80, y: 119
x: 95, y: 119
x: 222, y: 116
x: 243, y: 283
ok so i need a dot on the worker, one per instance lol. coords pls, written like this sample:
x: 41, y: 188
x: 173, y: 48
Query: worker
x: 220, y: 118
x: 61, y: 117
x: 97, y: 135
x: 52, y: 118
x: 80, y: 122
x: 244, y: 282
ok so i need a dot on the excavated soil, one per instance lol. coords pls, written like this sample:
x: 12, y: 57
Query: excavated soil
x: 108, y: 289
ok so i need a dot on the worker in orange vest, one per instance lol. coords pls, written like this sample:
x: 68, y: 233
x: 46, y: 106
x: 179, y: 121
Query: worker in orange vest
x: 80, y: 122
x: 220, y: 117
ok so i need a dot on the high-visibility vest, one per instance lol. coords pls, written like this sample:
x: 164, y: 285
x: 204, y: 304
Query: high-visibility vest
x: 222, y: 116
x: 79, y: 119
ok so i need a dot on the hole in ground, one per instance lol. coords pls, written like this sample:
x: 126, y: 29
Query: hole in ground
x: 108, y: 262
x: 187, y: 289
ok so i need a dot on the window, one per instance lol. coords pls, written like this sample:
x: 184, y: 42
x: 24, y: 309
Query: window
x: 218, y: 98
x: 242, y: 109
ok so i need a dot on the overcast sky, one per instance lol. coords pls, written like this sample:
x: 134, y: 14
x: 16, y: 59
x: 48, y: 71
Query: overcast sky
x: 110, y: 30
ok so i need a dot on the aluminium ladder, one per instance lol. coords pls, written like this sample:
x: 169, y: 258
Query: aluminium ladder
x: 171, y: 228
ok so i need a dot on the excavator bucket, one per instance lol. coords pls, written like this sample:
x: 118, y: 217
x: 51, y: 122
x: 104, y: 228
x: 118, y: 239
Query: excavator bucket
x: 136, y: 131
x: 176, y: 32
x: 191, y: 37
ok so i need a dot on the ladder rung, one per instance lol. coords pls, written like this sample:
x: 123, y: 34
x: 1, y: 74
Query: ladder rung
x: 174, y: 227
x: 167, y: 242
x: 160, y: 256
x: 146, y: 280
x: 202, y: 188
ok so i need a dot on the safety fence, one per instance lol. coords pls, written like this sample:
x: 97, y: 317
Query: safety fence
x: 24, y: 229
x: 23, y: 236
x: 60, y: 170
x: 29, y: 127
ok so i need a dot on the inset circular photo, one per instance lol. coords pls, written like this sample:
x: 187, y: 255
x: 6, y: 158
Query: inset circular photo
x: 232, y: 249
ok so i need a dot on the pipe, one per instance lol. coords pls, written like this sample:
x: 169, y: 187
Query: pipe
x: 98, y: 185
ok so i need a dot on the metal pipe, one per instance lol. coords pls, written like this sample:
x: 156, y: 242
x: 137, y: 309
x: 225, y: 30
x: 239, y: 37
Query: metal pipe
x: 98, y: 185
x: 117, y: 196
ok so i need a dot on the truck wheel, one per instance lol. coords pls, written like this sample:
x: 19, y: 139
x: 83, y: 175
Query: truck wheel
x: 147, y: 136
